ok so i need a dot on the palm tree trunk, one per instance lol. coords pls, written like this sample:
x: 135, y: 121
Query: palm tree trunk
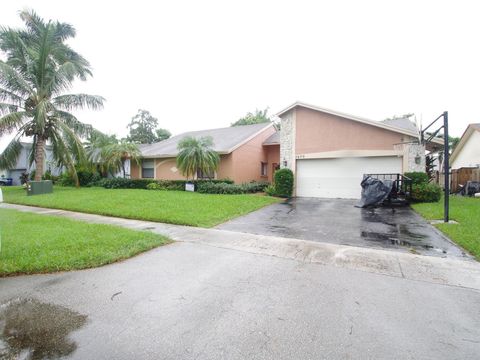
x: 39, y: 158
x: 123, y: 168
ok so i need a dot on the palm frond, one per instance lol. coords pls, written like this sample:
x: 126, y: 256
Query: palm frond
x: 78, y: 101
x: 11, y: 121
x: 197, y: 154
x: 12, y: 80
x: 79, y: 128
x: 8, y: 159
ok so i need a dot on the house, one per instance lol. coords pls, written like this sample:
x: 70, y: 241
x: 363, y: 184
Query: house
x: 23, y: 163
x: 249, y: 152
x: 328, y: 151
x: 467, y: 152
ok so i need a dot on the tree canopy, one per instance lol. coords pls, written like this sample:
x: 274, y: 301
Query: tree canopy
x: 197, y: 155
x: 110, y: 154
x: 143, y: 129
x: 258, y: 117
x: 38, y: 69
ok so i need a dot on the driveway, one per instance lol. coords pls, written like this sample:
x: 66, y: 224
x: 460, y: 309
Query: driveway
x: 338, y: 221
x: 217, y: 294
x: 194, y: 301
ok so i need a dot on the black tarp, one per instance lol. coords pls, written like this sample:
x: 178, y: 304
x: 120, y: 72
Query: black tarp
x: 470, y: 188
x: 374, y: 191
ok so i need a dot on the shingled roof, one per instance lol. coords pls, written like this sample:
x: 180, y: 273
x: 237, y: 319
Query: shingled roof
x: 225, y: 140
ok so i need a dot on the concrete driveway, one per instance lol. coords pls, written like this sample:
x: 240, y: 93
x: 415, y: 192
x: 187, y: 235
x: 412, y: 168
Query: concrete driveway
x: 195, y: 301
x: 217, y: 294
x: 338, y: 221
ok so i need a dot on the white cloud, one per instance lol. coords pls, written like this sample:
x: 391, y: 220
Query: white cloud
x: 203, y: 64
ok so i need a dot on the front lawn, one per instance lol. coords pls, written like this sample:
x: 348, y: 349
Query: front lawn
x: 175, y: 207
x: 466, y: 211
x: 33, y: 243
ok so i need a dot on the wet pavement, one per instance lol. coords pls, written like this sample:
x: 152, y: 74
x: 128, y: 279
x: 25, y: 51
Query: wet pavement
x: 30, y: 329
x: 338, y: 221
x: 194, y: 301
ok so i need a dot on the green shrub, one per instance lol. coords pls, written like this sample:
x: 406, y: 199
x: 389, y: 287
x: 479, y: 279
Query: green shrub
x: 417, y: 177
x: 220, y: 188
x: 270, y: 190
x: 86, y: 177
x: 284, y: 182
x: 426, y: 193
x: 121, y: 183
x: 66, y: 179
x: 155, y: 186
x: 227, y: 188
x: 254, y: 186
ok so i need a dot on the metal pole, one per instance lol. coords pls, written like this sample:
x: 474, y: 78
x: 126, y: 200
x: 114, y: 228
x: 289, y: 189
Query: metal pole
x: 446, y: 167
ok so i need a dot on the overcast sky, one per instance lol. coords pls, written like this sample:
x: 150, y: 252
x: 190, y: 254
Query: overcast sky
x: 203, y: 64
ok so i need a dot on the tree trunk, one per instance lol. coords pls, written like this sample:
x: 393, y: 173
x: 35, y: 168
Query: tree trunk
x: 39, y: 158
x: 123, y: 168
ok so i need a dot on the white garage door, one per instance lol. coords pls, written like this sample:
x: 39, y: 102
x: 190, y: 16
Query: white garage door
x: 340, y: 177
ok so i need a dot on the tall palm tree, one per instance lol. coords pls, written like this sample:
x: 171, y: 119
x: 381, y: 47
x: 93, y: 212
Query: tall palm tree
x: 38, y: 69
x: 197, y: 154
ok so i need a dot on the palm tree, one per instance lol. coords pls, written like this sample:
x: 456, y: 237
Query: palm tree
x: 39, y: 68
x: 114, y: 155
x: 197, y: 154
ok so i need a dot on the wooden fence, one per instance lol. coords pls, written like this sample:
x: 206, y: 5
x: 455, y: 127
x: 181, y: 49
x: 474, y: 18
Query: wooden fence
x: 458, y: 177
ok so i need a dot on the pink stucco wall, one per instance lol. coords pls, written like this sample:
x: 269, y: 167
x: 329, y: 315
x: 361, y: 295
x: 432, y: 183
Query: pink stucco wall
x: 248, y: 158
x: 318, y: 132
x: 273, y: 158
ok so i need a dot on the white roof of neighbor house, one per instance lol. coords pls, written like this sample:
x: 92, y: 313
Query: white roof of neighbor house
x: 380, y: 124
x: 467, y: 133
x: 225, y: 140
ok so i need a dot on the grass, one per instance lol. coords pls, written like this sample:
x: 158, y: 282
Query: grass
x: 464, y: 210
x: 174, y: 207
x: 33, y: 243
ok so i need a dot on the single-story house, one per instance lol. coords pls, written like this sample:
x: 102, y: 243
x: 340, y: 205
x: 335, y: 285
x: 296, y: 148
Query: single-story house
x: 467, y: 152
x: 23, y: 163
x: 328, y: 151
x: 249, y: 152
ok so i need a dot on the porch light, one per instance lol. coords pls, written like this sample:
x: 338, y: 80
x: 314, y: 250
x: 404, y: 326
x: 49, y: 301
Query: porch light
x: 418, y: 159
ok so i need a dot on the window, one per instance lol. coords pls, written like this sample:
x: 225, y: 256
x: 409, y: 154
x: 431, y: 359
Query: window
x: 264, y: 169
x: 205, y: 175
x: 148, y: 169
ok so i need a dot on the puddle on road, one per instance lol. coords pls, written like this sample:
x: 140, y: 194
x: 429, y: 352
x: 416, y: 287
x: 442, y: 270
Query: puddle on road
x: 30, y: 329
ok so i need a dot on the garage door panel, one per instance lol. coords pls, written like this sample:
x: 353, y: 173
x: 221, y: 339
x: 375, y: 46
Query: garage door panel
x: 340, y: 177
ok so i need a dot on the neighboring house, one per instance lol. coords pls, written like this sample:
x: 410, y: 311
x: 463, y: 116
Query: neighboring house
x: 467, y: 152
x: 328, y: 151
x: 249, y: 152
x: 23, y: 163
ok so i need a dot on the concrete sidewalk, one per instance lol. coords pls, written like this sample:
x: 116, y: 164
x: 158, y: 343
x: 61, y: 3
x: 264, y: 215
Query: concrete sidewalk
x: 453, y: 272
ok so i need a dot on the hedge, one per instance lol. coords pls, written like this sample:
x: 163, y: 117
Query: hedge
x: 417, y: 177
x: 121, y: 183
x: 225, y: 188
x: 426, y: 193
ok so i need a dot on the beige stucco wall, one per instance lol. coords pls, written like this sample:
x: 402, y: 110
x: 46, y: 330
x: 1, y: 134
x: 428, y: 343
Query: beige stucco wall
x: 469, y: 155
x: 134, y: 170
x: 319, y: 132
